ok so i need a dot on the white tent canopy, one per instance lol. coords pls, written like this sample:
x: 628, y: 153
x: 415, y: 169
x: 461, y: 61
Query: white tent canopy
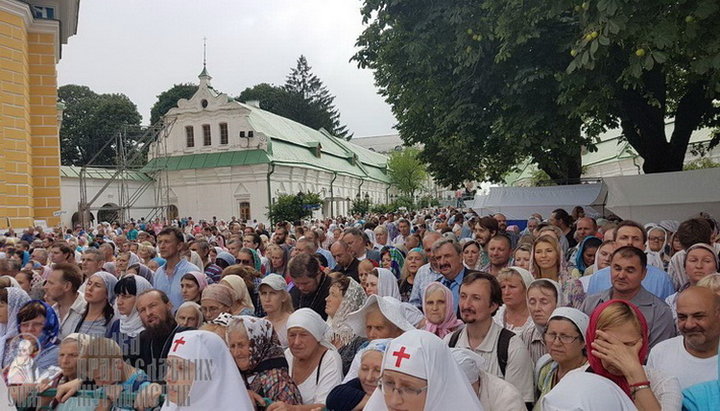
x: 664, y: 196
x: 518, y: 203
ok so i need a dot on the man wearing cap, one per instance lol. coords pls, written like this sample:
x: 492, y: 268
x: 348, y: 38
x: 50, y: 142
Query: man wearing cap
x: 503, y: 351
x: 346, y: 262
x: 692, y: 356
x: 657, y: 282
x: 311, y: 285
x: 628, y: 266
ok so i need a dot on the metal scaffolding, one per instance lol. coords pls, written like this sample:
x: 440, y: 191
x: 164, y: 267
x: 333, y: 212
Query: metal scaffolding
x: 132, y: 145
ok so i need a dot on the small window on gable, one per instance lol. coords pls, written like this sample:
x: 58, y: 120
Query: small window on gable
x: 223, y: 133
x: 242, y: 134
x: 250, y: 134
x: 190, y: 136
x: 207, y: 137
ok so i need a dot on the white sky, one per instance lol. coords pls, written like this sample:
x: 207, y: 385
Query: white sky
x: 142, y: 47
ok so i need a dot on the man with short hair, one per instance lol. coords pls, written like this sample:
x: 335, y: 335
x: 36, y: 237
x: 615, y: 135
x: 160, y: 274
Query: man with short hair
x: 628, y: 267
x: 504, y: 352
x: 485, y: 228
x: 499, y: 251
x: 448, y: 258
x: 502, y: 229
x: 630, y: 233
x: 691, y: 356
x: 202, y: 248
x: 404, y: 229
x: 357, y: 241
x: 584, y: 227
x: 171, y: 243
x: 346, y: 262
x: 91, y: 262
x: 311, y: 287
x: 311, y: 235
x: 429, y: 272
x: 561, y: 219
x: 62, y: 286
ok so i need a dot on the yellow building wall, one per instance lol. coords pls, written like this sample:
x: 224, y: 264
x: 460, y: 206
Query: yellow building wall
x: 29, y: 142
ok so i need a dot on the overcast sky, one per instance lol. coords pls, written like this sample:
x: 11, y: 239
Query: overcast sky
x: 142, y: 47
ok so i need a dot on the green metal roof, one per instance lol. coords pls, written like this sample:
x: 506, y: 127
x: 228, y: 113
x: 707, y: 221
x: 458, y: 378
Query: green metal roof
x: 102, y: 173
x: 207, y: 160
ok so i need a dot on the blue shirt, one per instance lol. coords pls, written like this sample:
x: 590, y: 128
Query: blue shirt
x: 656, y: 281
x: 424, y: 276
x: 170, y: 285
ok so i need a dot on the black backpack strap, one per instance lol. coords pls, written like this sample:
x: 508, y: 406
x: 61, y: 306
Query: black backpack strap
x: 454, y: 338
x: 317, y: 375
x: 502, y: 349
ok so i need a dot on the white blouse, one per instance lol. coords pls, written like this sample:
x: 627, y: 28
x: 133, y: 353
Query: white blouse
x: 320, y: 382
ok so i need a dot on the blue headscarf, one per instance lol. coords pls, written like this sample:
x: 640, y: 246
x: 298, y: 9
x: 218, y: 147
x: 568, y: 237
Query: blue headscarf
x: 51, y: 328
x: 161, y: 261
x: 587, y: 242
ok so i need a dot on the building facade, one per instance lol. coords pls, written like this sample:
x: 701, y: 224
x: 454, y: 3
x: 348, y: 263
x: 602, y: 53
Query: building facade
x: 224, y: 158
x: 31, y: 35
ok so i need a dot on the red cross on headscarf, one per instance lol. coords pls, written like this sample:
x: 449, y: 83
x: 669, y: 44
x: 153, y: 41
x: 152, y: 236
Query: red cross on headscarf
x: 179, y: 341
x: 400, y: 356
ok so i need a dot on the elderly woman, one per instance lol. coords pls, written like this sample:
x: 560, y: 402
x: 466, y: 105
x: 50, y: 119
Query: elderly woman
x: 99, y: 313
x: 440, y: 317
x: 345, y: 296
x: 38, y: 325
x: 243, y: 304
x: 700, y: 261
x: 189, y: 314
x: 542, y: 300
x: 548, y: 262
x: 657, y: 239
x: 192, y: 285
x: 68, y: 354
x: 514, y: 314
x: 414, y: 260
x: 258, y: 355
x: 315, y: 365
x: 217, y: 299
x: 565, y: 339
x: 127, y: 328
x: 252, y: 284
x: 419, y: 373
x: 354, y: 394
x: 617, y: 346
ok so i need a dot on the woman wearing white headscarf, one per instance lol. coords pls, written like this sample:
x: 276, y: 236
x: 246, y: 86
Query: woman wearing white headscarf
x: 13, y: 298
x: 201, y: 374
x: 419, y: 373
x: 315, y: 365
x: 495, y: 393
x: 99, y: 312
x: 587, y: 392
x: 383, y: 283
x: 514, y: 314
x: 655, y: 247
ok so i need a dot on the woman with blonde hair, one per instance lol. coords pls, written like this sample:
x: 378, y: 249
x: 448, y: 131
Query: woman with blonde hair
x: 277, y: 304
x: 547, y: 261
x: 514, y: 313
x: 413, y: 261
x: 617, y: 346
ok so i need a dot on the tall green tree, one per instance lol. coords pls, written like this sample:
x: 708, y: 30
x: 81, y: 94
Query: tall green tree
x: 407, y: 171
x: 303, y: 82
x: 90, y: 120
x: 169, y: 98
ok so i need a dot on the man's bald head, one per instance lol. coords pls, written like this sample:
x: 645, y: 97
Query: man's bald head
x: 698, y: 311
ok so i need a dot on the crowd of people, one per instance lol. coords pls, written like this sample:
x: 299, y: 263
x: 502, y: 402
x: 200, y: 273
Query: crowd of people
x: 433, y: 309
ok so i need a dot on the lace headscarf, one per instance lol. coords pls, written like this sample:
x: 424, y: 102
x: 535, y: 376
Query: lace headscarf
x: 353, y: 299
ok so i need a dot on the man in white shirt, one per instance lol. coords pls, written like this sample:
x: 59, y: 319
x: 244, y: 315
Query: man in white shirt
x: 692, y: 356
x: 62, y: 287
x: 404, y: 228
x: 480, y: 297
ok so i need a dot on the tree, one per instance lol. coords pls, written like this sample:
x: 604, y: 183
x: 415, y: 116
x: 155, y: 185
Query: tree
x: 169, y: 98
x: 406, y: 171
x: 279, y: 101
x: 303, y: 82
x: 289, y: 207
x: 90, y: 120
x: 477, y: 109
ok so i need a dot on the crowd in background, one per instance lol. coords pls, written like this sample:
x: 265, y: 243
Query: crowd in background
x: 410, y: 310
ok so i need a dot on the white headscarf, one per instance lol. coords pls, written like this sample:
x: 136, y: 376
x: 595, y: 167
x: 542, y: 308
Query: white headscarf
x: 224, y: 389
x: 391, y: 308
x: 131, y: 325
x: 586, y: 392
x: 353, y: 299
x: 13, y: 281
x: 17, y: 297
x: 421, y: 354
x: 387, y: 284
x: 470, y: 362
x: 655, y: 258
x: 309, y: 320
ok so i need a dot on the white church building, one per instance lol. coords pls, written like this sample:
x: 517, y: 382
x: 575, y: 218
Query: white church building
x: 224, y: 158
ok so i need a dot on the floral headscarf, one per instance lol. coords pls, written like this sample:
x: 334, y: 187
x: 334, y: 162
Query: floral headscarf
x: 264, y: 342
x: 397, y: 259
x: 353, y: 299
